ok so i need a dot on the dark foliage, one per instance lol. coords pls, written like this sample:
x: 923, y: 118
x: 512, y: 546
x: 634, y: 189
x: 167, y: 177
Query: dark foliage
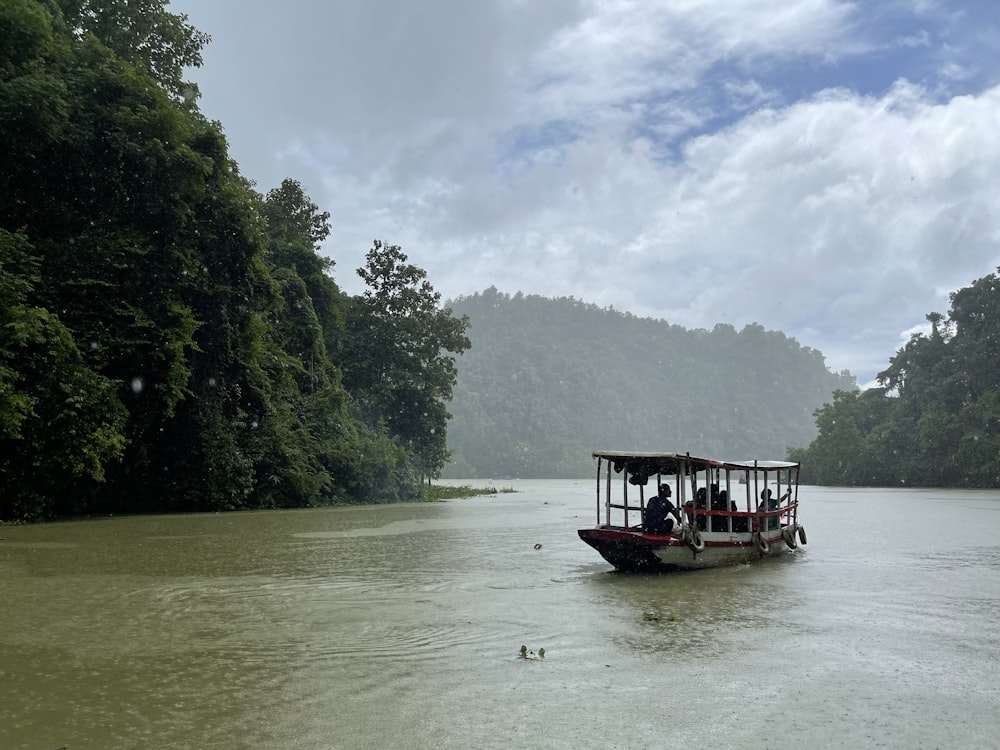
x: 170, y: 340
x: 397, y: 355
x: 935, y: 420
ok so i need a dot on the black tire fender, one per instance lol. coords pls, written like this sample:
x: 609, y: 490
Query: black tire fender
x: 763, y: 546
x: 788, y: 534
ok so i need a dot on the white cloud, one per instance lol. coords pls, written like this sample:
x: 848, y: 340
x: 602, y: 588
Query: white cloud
x: 843, y: 216
x: 956, y: 72
x: 920, y: 39
x: 629, y: 153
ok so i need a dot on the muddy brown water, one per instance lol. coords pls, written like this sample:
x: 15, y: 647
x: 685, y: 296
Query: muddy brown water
x: 399, y: 627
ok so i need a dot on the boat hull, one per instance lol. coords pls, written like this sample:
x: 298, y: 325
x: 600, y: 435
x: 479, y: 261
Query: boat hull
x: 640, y: 552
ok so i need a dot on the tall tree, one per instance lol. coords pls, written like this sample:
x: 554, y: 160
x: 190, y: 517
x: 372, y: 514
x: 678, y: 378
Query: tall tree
x: 296, y: 229
x: 398, y: 358
x: 338, y: 458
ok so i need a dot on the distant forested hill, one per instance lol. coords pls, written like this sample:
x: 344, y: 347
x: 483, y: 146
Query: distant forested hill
x: 547, y: 381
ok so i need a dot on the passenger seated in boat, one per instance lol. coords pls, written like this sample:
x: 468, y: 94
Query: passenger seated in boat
x: 656, y: 519
x: 701, y: 503
x: 769, y: 502
x: 720, y: 501
x: 740, y: 525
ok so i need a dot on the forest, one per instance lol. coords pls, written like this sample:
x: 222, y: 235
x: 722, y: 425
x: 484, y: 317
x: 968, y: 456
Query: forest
x: 934, y: 420
x: 170, y: 338
x: 548, y: 381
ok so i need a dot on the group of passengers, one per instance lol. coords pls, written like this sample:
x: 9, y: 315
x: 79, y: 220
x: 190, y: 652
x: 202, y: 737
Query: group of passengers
x: 661, y: 513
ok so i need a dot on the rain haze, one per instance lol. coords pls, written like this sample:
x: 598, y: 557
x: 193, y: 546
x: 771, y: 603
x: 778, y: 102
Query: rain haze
x: 824, y: 168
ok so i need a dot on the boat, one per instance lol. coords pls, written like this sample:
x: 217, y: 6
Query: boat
x: 727, y: 512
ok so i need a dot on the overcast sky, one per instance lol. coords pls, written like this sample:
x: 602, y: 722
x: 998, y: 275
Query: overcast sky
x: 828, y: 169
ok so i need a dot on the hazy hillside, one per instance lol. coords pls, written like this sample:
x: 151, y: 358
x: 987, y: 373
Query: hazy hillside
x: 547, y: 381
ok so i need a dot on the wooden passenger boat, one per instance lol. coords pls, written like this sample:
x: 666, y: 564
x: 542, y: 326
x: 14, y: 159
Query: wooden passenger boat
x: 726, y: 511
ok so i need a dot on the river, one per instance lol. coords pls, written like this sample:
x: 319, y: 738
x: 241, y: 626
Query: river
x: 399, y: 626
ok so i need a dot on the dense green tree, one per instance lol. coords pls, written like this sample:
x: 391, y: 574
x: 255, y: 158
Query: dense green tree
x: 937, y: 421
x: 397, y: 356
x: 101, y: 196
x: 18, y: 273
x: 134, y: 212
x: 977, y: 452
x: 346, y: 459
x: 846, y: 451
x: 296, y: 228
x: 60, y: 422
x: 166, y: 331
x: 143, y: 32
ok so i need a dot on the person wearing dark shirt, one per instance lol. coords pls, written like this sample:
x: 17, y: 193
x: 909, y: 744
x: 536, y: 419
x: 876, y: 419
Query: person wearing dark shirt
x: 720, y: 501
x: 769, y: 502
x: 659, y: 509
x: 701, y: 503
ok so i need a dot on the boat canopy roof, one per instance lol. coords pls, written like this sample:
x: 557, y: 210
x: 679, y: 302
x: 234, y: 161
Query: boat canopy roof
x: 674, y: 463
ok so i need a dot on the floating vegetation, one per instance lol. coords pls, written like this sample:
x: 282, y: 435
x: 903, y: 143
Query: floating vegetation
x: 652, y: 616
x: 531, y: 655
x: 449, y: 492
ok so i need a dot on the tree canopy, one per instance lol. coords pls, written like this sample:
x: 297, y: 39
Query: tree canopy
x: 934, y: 420
x: 142, y: 32
x: 398, y: 354
x: 170, y: 339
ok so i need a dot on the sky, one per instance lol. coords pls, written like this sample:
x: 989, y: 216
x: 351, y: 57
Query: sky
x: 825, y: 168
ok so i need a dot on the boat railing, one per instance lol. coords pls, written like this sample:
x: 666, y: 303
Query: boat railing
x: 774, y: 483
x: 781, y: 510
x: 785, y: 515
x: 742, y: 521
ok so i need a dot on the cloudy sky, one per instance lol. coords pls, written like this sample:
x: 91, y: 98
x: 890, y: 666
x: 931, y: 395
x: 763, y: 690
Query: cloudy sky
x: 829, y: 169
